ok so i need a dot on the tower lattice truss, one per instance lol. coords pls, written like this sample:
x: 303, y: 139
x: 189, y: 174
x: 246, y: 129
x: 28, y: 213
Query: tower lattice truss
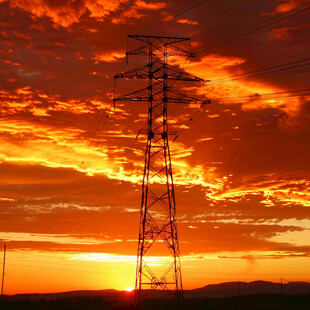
x: 158, y: 258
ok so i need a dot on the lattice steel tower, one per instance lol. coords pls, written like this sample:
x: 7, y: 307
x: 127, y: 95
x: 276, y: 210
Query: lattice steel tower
x: 158, y: 229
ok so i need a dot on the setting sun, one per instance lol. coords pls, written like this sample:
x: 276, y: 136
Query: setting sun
x: 129, y: 289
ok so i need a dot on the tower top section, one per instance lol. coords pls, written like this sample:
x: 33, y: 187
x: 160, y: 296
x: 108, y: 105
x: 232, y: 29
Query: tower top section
x: 163, y: 39
x: 169, y: 46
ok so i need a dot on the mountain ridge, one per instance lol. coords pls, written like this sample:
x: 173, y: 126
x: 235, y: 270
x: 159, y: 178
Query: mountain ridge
x: 219, y: 290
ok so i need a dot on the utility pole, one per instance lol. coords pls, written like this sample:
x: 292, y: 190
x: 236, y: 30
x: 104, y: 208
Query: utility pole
x: 3, y: 271
x: 158, y: 226
x: 281, y: 287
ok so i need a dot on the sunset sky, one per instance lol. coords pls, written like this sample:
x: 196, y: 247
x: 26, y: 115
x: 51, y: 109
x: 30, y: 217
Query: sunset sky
x: 71, y: 168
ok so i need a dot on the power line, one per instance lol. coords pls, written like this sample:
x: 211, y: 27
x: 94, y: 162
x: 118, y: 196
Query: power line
x: 102, y: 121
x: 271, y: 94
x: 3, y: 271
x: 252, y: 29
x: 272, y: 67
x: 259, y: 76
x: 266, y: 71
x: 229, y: 20
x: 306, y: 96
x: 179, y: 12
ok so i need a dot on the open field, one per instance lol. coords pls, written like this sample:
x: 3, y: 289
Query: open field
x: 252, y: 302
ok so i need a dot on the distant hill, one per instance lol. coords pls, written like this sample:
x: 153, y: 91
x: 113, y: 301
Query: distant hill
x: 221, y: 290
x: 229, y: 289
x: 108, y: 295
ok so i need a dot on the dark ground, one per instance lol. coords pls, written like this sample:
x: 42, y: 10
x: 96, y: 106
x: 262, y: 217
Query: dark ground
x: 257, y: 302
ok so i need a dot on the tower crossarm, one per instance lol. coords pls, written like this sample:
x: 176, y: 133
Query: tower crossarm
x: 171, y: 51
x: 162, y: 39
x: 176, y: 51
x: 162, y: 71
x: 138, y: 95
x: 178, y: 97
x: 141, y: 50
x: 136, y: 73
x: 158, y: 44
x: 175, y: 73
x: 171, y: 96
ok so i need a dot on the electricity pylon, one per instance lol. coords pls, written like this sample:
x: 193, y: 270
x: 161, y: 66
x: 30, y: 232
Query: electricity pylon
x: 3, y: 271
x: 158, y: 227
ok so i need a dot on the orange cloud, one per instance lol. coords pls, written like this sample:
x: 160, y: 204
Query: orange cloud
x: 217, y: 62
x: 287, y: 6
x: 187, y: 21
x: 142, y: 5
x: 284, y: 7
x: 67, y: 12
x: 254, y: 92
x: 113, y: 56
x: 284, y: 32
x: 37, y: 102
x: 135, y: 10
x: 101, y: 8
x: 54, y: 238
x: 276, y: 189
x: 8, y: 61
